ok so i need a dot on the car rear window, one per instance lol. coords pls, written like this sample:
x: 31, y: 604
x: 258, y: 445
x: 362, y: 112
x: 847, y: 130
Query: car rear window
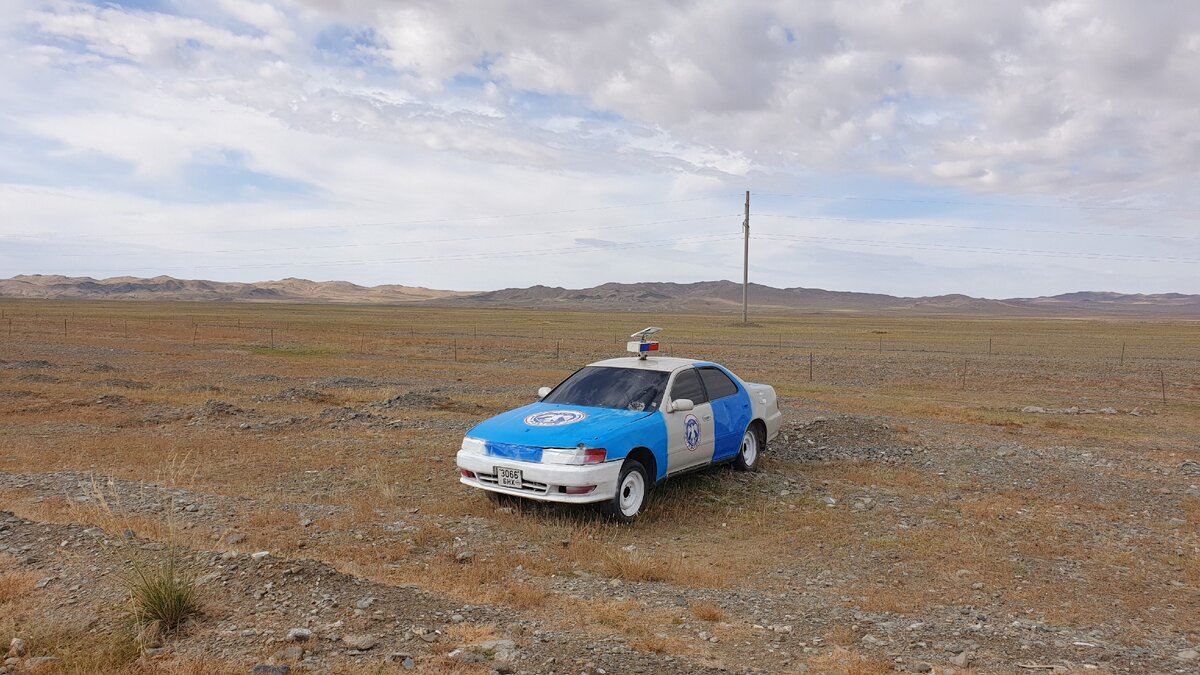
x: 717, y: 383
x: 605, y: 387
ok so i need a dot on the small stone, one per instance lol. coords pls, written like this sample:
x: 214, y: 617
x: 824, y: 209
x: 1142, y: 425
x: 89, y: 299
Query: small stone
x: 235, y: 538
x: 1176, y: 522
x: 408, y: 663
x: 261, y: 555
x: 43, y: 582
x: 17, y: 647
x: 457, y: 618
x: 365, y: 603
x: 36, y: 663
x: 360, y: 642
x: 962, y: 660
x: 922, y: 667
x: 265, y: 669
x: 191, y: 508
x: 306, y: 522
x: 1188, y: 655
x: 297, y: 634
x: 464, y: 557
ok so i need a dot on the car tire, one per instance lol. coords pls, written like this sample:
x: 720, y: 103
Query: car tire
x: 633, y: 488
x: 750, y: 454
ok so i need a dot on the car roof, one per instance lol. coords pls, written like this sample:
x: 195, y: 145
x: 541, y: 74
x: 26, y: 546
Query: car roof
x: 663, y: 363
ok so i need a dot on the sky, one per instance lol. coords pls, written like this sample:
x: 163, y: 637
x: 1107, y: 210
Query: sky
x: 997, y: 148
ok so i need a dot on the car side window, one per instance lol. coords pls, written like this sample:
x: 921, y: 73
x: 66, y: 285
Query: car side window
x: 687, y: 385
x: 717, y: 383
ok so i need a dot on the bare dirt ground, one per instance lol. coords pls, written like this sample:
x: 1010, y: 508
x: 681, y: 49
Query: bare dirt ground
x: 1033, y: 510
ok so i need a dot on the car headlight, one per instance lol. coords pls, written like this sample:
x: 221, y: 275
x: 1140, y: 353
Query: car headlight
x: 575, y: 456
x: 473, y: 446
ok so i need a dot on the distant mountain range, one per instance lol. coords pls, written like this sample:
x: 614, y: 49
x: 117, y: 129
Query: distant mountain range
x: 648, y: 296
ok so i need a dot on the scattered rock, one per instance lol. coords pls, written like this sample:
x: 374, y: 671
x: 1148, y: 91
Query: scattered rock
x: 962, y: 659
x: 261, y: 555
x: 266, y: 669
x: 297, y: 634
x: 464, y: 557
x: 17, y: 647
x: 360, y: 642
x: 1188, y: 655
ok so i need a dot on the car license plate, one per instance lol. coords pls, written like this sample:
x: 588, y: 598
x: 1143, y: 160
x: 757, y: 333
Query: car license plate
x: 508, y: 477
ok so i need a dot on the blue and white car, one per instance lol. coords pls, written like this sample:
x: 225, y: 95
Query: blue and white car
x: 612, y: 430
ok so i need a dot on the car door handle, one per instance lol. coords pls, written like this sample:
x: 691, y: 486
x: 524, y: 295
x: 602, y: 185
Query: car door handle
x: 707, y: 418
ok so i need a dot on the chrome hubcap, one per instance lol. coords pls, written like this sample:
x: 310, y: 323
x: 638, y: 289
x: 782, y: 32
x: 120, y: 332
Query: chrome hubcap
x: 749, y: 448
x: 633, y: 490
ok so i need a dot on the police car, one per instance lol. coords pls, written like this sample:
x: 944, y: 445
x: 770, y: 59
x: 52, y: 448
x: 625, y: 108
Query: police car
x: 612, y: 430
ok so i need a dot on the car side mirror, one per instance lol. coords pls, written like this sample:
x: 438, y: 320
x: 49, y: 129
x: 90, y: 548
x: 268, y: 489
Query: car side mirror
x: 682, y: 405
x: 543, y: 392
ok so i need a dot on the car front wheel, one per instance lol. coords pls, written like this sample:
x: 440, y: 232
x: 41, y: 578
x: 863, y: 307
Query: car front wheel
x: 633, y: 487
x: 750, y: 453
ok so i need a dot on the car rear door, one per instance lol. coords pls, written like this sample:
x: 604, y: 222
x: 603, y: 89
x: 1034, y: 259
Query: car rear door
x: 730, y: 409
x: 690, y: 439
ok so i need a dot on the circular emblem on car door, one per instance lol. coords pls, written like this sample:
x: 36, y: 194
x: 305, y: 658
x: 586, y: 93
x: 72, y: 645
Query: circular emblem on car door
x: 691, y: 432
x: 555, y: 418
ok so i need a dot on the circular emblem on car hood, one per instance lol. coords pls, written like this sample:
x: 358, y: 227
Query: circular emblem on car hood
x: 555, y: 418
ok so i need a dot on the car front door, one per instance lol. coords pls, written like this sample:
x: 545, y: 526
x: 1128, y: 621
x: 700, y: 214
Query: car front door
x: 730, y: 409
x: 690, y: 439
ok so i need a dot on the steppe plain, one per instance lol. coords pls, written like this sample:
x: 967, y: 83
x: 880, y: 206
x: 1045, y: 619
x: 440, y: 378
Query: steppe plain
x: 949, y: 494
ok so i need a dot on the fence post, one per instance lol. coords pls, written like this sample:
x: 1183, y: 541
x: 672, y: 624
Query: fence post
x: 1162, y: 381
x: 810, y: 367
x: 1122, y: 354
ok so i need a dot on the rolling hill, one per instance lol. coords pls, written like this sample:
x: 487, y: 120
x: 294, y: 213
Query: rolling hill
x: 720, y: 296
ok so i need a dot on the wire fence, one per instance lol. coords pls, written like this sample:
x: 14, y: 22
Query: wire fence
x: 1162, y: 367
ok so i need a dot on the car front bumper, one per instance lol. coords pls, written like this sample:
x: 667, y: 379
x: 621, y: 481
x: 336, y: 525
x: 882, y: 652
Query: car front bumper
x: 543, y: 482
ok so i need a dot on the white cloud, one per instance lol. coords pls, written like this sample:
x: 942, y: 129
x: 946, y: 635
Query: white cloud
x: 454, y: 109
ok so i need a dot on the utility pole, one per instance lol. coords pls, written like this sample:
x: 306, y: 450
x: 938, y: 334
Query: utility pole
x: 745, y: 256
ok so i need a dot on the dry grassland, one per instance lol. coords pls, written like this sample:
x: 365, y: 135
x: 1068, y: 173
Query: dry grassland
x: 913, y: 514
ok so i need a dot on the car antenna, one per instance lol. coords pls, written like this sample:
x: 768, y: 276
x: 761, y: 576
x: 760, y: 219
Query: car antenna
x: 643, y: 346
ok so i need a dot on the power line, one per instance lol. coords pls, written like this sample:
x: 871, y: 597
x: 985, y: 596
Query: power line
x: 1085, y: 207
x: 987, y: 228
x: 875, y: 243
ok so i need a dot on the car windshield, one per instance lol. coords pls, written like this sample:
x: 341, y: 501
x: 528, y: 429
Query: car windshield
x: 620, y: 388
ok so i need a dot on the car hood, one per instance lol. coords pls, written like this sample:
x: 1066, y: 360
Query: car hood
x: 553, y: 425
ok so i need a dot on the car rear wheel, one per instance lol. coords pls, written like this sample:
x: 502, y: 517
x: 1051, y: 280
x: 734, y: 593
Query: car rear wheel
x: 750, y: 453
x: 633, y: 487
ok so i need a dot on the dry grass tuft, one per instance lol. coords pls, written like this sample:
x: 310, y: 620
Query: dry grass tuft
x: 659, y: 644
x: 707, y: 611
x: 14, y: 585
x: 842, y: 661
x: 524, y: 595
x: 162, y: 596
